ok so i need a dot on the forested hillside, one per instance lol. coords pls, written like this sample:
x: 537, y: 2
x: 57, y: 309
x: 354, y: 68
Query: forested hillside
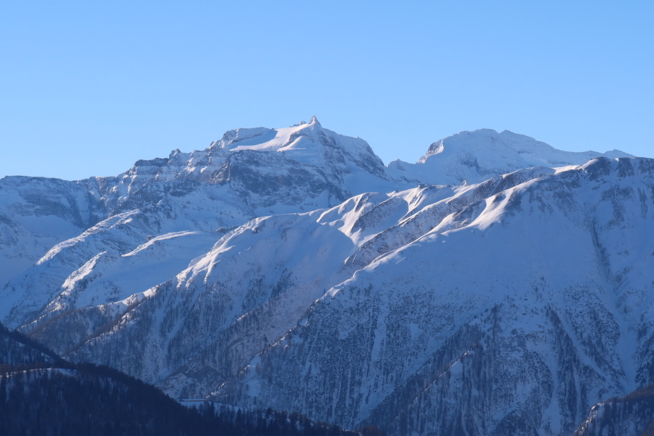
x: 42, y: 394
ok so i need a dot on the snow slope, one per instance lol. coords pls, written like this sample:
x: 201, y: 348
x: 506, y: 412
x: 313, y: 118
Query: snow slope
x: 37, y: 213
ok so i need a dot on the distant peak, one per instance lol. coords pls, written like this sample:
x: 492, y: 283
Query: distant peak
x: 314, y: 120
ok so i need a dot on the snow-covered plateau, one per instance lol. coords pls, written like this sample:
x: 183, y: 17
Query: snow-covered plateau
x: 498, y: 286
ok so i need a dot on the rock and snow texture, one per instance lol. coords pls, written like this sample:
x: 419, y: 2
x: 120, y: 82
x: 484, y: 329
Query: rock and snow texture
x: 37, y: 213
x: 513, y: 315
x: 259, y: 280
x: 472, y: 157
x: 288, y: 268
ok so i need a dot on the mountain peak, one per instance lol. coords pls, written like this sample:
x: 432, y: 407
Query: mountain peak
x: 488, y: 144
x: 314, y: 120
x: 480, y: 139
x: 474, y: 156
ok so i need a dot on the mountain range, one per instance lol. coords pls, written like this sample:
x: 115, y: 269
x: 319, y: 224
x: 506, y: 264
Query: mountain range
x: 496, y: 286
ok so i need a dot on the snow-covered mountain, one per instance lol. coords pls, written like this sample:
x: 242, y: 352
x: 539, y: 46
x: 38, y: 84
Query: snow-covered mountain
x: 512, y: 305
x: 51, y: 237
x: 289, y: 268
x: 246, y: 174
x: 259, y: 280
x: 472, y: 157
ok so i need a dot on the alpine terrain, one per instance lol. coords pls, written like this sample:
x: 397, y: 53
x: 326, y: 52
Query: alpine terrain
x: 497, y: 286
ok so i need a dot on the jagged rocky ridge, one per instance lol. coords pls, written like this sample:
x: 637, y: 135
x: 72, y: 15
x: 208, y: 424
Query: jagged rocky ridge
x: 101, y: 296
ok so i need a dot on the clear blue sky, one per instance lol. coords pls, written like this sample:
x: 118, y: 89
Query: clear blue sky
x: 89, y: 87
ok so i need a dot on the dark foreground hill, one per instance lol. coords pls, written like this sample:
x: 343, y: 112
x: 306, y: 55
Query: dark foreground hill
x: 41, y: 394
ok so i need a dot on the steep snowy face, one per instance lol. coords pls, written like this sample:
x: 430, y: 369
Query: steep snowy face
x: 309, y: 143
x: 37, y: 213
x: 241, y: 296
x: 472, y: 157
x: 349, y: 164
x: 513, y: 315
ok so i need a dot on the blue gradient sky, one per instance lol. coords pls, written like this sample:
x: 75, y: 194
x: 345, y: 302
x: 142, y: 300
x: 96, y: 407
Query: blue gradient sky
x: 87, y: 88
